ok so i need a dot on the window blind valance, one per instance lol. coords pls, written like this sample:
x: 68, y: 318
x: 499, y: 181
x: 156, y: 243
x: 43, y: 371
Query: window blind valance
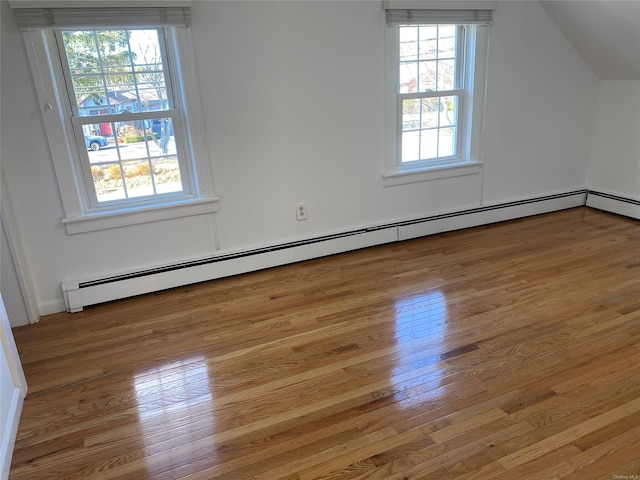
x: 96, y: 17
x: 439, y: 12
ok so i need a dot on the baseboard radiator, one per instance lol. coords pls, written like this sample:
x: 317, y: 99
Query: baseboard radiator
x: 629, y: 207
x: 79, y: 294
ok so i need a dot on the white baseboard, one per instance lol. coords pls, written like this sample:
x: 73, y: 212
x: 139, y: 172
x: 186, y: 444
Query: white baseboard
x: 488, y: 214
x: 50, y: 307
x: 11, y: 430
x: 620, y: 205
x: 78, y: 294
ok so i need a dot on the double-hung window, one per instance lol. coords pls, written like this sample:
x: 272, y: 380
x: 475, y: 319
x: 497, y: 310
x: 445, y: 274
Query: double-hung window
x: 430, y: 91
x: 124, y: 119
x: 121, y: 113
x: 436, y: 60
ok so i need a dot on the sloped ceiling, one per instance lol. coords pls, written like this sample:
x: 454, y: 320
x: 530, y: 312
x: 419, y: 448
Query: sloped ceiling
x: 605, y: 32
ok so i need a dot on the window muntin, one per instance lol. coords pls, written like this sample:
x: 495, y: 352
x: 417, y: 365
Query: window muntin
x: 119, y: 89
x: 430, y: 73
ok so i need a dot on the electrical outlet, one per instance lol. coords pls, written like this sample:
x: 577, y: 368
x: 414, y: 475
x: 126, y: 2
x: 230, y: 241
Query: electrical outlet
x: 301, y: 211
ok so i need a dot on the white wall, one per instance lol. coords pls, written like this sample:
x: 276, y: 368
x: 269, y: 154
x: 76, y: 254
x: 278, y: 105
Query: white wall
x: 293, y: 100
x: 615, y: 152
x: 10, y: 284
x: 540, y: 107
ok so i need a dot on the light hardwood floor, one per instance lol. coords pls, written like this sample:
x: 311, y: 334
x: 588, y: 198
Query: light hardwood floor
x: 504, y: 352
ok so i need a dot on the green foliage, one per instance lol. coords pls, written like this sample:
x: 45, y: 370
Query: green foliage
x: 87, y: 49
x: 103, y: 61
x: 82, y: 49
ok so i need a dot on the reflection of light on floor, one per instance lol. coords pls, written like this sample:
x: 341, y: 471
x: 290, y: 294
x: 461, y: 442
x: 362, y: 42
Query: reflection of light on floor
x: 420, y: 326
x: 421, y: 315
x: 174, y: 401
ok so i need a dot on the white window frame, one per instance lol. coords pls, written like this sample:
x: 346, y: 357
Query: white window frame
x: 80, y: 215
x: 469, y: 158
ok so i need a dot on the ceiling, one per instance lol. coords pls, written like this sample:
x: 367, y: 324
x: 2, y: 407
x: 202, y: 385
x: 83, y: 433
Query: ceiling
x: 605, y: 32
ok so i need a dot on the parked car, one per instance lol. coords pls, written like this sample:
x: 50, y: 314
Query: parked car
x: 95, y: 142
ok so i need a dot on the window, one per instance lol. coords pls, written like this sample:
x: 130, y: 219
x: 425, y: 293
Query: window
x: 121, y: 113
x: 124, y: 71
x: 435, y: 93
x: 430, y: 91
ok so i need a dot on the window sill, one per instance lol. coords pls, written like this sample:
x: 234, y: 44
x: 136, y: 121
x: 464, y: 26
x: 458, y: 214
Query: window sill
x: 402, y: 177
x: 133, y: 216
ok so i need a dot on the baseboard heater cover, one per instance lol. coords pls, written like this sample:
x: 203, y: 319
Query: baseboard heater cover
x: 620, y: 205
x: 79, y: 294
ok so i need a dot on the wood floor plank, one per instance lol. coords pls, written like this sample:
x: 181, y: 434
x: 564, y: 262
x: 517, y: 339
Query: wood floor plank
x: 570, y: 435
x: 630, y: 470
x: 498, y: 352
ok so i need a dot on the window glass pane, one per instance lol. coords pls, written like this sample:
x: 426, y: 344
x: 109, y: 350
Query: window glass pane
x: 410, y: 114
x: 81, y: 52
x: 446, y: 142
x: 408, y: 77
x: 429, y: 144
x: 446, y: 41
x: 167, y: 174
x: 408, y: 44
x: 120, y: 69
x: 132, y: 159
x: 428, y: 42
x: 429, y: 112
x: 428, y: 76
x: 107, y: 178
x: 150, y: 96
x: 446, y: 75
x: 410, y: 146
x: 448, y: 111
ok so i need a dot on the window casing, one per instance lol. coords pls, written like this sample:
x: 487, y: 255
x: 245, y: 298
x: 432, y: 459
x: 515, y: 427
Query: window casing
x: 163, y: 171
x: 435, y: 100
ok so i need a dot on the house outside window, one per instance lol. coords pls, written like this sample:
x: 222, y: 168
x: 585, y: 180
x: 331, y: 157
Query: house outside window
x: 121, y: 112
x: 436, y: 68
